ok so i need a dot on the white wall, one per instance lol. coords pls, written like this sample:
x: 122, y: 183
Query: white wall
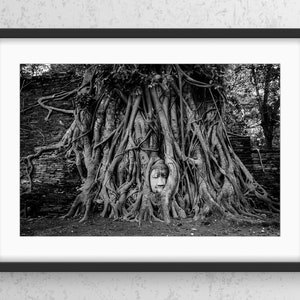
x: 155, y: 13
x: 149, y: 13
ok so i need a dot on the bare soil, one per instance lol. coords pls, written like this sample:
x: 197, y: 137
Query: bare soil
x: 52, y: 225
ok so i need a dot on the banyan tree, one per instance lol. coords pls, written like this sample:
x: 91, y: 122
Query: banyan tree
x: 151, y: 145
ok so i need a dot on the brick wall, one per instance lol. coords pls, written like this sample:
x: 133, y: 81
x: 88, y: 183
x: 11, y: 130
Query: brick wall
x: 35, y: 131
x: 266, y: 169
x: 263, y: 164
x: 53, y: 175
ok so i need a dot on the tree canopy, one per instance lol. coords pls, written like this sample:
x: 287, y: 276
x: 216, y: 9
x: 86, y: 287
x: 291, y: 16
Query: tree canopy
x: 253, y: 102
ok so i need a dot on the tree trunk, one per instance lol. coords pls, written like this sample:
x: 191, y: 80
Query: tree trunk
x: 265, y: 111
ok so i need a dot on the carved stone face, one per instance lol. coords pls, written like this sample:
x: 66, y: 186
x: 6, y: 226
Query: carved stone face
x: 158, y: 178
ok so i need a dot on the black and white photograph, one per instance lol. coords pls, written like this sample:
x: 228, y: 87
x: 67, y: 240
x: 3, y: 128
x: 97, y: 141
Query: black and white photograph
x: 185, y: 150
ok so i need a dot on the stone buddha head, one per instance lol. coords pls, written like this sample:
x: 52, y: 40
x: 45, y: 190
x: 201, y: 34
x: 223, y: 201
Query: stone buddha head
x: 158, y: 176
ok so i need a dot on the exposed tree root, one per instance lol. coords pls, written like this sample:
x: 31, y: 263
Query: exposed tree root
x: 117, y: 136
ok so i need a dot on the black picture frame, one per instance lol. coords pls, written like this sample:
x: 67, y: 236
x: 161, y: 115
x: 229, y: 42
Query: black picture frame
x: 149, y: 33
x: 149, y: 266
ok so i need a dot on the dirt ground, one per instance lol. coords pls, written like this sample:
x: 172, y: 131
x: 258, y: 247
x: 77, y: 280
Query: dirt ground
x: 54, y: 226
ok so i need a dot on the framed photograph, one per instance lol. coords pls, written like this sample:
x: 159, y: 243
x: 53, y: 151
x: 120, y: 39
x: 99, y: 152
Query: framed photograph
x: 149, y: 150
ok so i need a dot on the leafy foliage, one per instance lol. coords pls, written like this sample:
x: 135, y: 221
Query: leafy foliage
x: 249, y: 101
